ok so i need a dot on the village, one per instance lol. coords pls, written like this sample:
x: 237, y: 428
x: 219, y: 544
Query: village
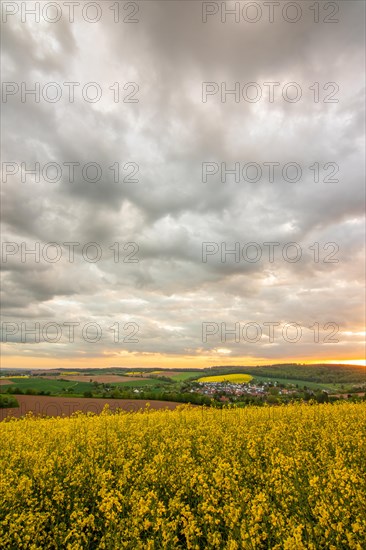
x: 237, y: 390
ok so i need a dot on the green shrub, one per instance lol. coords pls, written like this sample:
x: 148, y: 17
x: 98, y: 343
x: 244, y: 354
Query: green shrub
x: 8, y: 401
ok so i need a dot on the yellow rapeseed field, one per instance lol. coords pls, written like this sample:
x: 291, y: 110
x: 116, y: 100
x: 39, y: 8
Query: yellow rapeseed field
x: 235, y: 378
x: 290, y: 477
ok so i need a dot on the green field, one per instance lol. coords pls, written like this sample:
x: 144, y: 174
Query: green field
x: 139, y: 383
x: 59, y: 387
x: 185, y: 375
x: 45, y: 384
x: 63, y: 386
x: 300, y: 383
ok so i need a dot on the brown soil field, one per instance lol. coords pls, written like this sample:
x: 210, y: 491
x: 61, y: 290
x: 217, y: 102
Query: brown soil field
x: 5, y: 382
x: 65, y: 406
x: 101, y: 379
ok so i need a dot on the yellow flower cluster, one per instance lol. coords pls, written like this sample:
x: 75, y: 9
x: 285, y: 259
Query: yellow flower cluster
x: 256, y: 478
x: 234, y: 378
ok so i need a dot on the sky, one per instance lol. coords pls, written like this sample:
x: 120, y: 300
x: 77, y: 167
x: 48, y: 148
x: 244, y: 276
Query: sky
x: 182, y: 184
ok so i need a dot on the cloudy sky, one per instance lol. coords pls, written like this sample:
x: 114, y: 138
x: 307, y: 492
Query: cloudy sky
x: 145, y: 141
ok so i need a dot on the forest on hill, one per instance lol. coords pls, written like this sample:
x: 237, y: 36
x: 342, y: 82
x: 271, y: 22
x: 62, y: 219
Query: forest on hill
x: 326, y: 374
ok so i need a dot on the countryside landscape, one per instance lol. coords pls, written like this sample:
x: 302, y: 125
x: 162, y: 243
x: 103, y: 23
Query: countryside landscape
x: 182, y: 275
x: 61, y: 392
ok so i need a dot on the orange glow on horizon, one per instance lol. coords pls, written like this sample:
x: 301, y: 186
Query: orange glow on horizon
x: 161, y: 361
x: 359, y: 362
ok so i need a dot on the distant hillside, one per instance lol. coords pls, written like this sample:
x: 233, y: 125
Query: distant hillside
x: 326, y: 374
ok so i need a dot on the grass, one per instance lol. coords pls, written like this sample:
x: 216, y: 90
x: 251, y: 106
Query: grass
x: 139, y: 383
x: 301, y: 383
x: 63, y: 387
x: 185, y: 375
x: 45, y: 384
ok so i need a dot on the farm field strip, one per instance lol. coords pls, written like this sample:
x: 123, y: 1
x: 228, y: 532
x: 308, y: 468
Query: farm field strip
x: 177, y: 375
x: 102, y: 379
x: 234, y: 378
x: 139, y: 382
x: 59, y: 406
x: 46, y: 384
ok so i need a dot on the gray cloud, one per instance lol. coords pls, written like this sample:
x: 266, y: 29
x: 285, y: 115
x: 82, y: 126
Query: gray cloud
x: 170, y: 211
